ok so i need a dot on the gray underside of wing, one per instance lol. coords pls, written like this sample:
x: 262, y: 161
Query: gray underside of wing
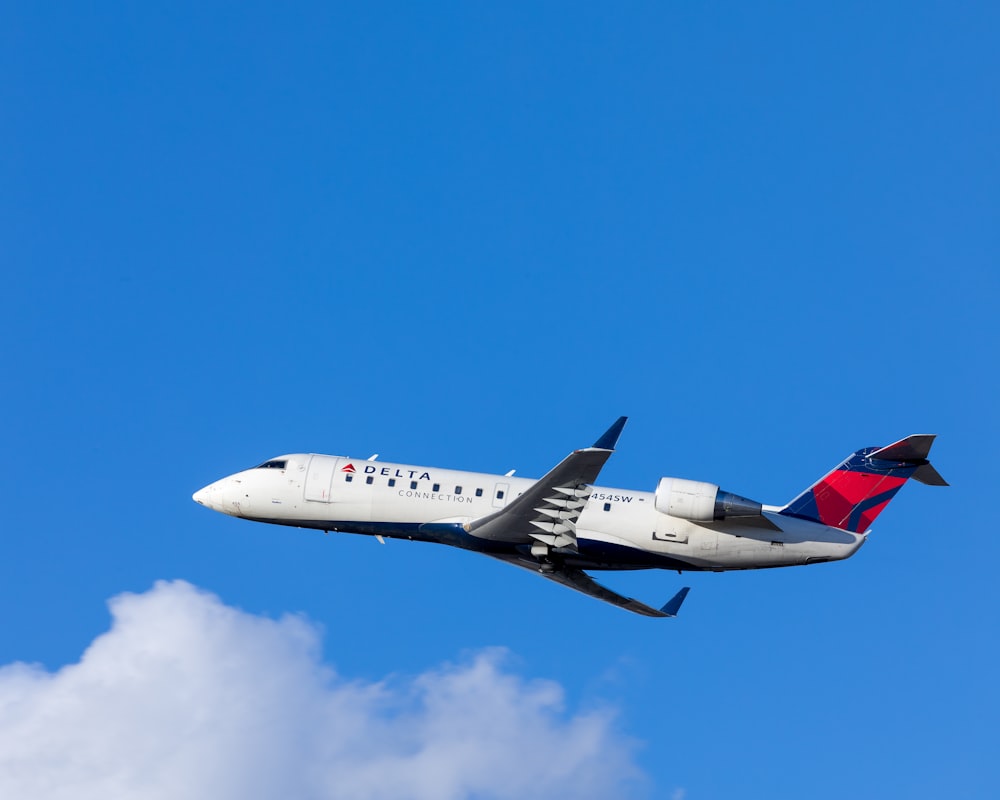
x: 582, y: 582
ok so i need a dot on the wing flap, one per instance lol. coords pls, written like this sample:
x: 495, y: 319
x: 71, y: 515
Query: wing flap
x: 548, y: 510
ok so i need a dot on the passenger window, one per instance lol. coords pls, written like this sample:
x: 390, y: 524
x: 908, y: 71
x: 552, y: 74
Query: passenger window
x: 369, y: 480
x: 607, y: 506
x: 436, y: 487
x: 500, y: 495
x: 479, y: 492
x: 392, y: 481
x: 458, y: 490
x: 348, y: 478
x: 413, y: 484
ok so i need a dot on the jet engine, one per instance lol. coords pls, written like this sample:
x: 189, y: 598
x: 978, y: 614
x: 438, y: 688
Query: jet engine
x: 701, y: 502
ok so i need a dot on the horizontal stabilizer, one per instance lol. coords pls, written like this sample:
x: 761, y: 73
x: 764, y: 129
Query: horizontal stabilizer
x: 926, y: 474
x: 913, y: 448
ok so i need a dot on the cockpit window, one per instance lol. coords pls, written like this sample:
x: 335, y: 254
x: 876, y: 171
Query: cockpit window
x: 273, y: 464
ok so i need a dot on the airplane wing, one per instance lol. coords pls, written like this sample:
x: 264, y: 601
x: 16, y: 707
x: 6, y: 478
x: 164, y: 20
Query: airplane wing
x: 582, y: 582
x: 547, y: 512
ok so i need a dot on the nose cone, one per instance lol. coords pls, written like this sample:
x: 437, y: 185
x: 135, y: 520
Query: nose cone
x: 226, y: 496
x: 212, y: 496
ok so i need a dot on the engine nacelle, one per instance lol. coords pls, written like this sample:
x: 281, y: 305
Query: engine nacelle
x: 701, y: 502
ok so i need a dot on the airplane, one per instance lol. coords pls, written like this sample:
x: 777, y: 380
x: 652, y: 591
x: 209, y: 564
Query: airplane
x: 562, y: 524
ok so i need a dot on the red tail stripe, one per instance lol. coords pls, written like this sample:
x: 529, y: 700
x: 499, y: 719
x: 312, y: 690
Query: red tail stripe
x: 841, y: 491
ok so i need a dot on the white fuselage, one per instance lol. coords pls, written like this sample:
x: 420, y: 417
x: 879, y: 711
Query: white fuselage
x: 618, y: 528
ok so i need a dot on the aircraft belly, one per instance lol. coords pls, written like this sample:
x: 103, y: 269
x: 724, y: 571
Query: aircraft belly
x: 647, y: 537
x: 794, y: 543
x: 602, y: 552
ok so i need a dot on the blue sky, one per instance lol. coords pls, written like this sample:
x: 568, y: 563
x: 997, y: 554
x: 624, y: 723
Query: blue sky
x: 472, y: 236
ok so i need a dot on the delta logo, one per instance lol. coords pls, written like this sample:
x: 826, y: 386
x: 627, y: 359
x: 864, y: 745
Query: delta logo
x: 389, y: 472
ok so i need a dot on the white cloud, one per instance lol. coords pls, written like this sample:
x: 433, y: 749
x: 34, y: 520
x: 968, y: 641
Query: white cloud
x: 186, y: 697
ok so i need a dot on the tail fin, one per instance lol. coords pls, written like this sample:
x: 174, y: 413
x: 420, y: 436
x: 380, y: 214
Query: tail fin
x: 856, y: 492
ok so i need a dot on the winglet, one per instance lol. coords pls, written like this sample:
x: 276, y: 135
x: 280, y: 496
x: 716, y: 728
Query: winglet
x: 674, y: 604
x: 610, y: 437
